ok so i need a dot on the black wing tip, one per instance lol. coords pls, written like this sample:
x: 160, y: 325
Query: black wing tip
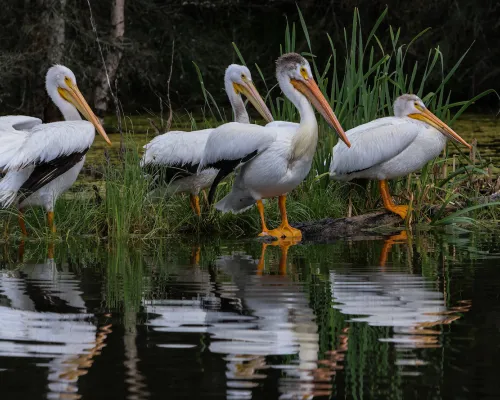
x: 46, y: 172
x: 220, y: 176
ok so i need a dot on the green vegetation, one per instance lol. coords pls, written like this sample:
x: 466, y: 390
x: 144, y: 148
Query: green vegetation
x: 444, y: 192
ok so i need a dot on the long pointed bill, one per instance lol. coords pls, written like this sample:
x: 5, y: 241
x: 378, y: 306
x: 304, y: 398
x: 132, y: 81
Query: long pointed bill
x: 431, y: 119
x: 310, y: 89
x: 75, y: 97
x: 250, y: 91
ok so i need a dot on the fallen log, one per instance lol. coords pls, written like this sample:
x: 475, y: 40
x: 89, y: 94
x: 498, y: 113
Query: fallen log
x: 364, y: 226
x: 361, y: 225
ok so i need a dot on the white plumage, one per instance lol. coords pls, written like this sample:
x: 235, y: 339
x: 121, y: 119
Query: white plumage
x: 379, y: 143
x: 273, y: 171
x: 274, y: 159
x: 176, y: 148
x: 44, y: 160
x: 228, y: 143
x: 183, y: 151
x: 47, y: 142
x: 18, y: 122
x: 392, y: 147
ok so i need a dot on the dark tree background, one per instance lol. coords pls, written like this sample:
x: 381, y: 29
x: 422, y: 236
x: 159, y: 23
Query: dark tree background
x: 37, y: 33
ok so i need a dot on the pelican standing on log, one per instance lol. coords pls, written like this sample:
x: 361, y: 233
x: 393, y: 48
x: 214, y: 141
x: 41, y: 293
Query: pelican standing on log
x: 42, y: 161
x: 274, y: 159
x: 175, y: 156
x: 392, y: 147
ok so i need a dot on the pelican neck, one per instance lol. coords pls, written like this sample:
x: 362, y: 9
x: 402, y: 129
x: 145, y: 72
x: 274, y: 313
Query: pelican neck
x: 239, y: 111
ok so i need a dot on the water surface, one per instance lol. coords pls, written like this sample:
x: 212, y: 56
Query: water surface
x: 383, y: 318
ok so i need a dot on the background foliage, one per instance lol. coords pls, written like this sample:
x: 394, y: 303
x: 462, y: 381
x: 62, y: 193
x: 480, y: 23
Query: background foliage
x: 203, y: 32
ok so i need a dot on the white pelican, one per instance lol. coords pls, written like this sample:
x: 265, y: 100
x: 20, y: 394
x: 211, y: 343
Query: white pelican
x: 43, y: 160
x: 177, y: 154
x: 392, y: 147
x: 275, y: 158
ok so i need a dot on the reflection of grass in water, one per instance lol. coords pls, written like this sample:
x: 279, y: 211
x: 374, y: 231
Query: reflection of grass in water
x: 124, y: 278
x: 144, y: 269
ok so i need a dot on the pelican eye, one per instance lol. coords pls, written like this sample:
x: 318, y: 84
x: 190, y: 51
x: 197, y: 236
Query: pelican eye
x: 418, y: 106
x: 68, y: 81
x: 243, y: 76
x: 303, y: 72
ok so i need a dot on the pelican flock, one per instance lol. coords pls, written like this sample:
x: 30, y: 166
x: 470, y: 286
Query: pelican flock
x: 174, y: 157
x: 42, y: 161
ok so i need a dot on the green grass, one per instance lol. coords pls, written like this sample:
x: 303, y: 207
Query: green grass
x: 376, y: 71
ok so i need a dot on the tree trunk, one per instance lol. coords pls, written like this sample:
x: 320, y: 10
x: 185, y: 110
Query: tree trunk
x: 58, y: 30
x: 107, y: 75
x: 55, y: 21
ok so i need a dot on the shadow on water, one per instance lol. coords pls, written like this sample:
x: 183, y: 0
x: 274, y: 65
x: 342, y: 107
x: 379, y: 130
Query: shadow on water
x: 395, y: 317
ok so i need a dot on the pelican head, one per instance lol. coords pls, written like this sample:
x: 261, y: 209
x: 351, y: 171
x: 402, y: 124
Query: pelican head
x: 293, y: 69
x: 241, y: 81
x: 61, y: 86
x: 410, y: 105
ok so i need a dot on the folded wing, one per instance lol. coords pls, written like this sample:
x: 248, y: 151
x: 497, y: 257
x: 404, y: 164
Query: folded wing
x: 18, y: 122
x: 47, y: 142
x: 231, y: 145
x: 35, y: 158
x: 372, y: 144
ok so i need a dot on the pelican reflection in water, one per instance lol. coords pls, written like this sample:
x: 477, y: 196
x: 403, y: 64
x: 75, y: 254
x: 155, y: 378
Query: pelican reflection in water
x: 284, y: 325
x: 249, y: 314
x: 409, y: 304
x: 63, y: 334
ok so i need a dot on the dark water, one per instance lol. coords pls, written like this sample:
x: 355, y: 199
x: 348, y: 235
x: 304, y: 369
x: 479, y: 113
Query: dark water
x: 396, y: 318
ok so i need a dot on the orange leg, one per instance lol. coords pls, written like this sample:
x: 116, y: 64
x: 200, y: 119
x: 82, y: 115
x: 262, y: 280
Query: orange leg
x: 50, y: 220
x: 21, y: 222
x: 285, y: 230
x: 261, y: 265
x: 401, y: 237
x: 265, y: 230
x: 402, y: 211
x: 284, y: 255
x: 195, y: 255
x: 284, y: 246
x: 195, y: 204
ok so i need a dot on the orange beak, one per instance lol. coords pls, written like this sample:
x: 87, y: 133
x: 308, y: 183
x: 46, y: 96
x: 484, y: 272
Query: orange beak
x: 75, y: 97
x: 250, y: 91
x: 426, y: 116
x: 310, y: 89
